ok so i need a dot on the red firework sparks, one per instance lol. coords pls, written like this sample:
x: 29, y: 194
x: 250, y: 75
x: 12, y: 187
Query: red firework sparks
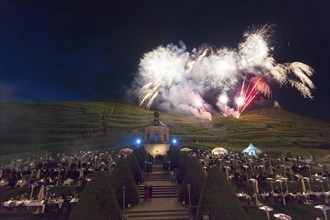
x: 256, y: 85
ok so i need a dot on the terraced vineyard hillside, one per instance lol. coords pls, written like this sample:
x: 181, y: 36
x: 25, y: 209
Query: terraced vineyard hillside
x: 71, y: 126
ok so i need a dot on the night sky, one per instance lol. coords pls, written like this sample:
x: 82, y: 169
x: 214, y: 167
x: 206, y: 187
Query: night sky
x: 90, y: 50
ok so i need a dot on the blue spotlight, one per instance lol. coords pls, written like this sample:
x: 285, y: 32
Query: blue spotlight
x: 174, y: 141
x: 138, y: 141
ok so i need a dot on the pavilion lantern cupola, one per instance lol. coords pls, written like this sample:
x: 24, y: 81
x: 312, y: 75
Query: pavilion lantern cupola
x: 156, y: 132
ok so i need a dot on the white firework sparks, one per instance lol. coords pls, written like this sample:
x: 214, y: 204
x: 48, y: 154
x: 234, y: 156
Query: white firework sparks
x: 167, y: 73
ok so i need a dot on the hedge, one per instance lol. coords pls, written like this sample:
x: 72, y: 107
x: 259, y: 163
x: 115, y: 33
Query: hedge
x: 97, y: 201
x: 218, y: 199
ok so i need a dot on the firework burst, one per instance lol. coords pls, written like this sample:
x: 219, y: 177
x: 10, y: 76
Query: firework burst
x: 179, y: 81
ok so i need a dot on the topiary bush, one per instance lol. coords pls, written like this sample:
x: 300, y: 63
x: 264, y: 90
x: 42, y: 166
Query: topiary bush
x: 181, y: 171
x: 122, y: 176
x: 195, y: 176
x: 138, y: 156
x: 97, y: 201
x: 135, y: 168
x: 173, y: 155
x: 218, y: 199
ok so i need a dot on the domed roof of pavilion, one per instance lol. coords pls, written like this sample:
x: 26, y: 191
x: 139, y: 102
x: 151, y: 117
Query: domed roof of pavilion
x: 156, y: 121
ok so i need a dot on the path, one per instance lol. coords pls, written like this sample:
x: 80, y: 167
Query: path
x: 165, y: 203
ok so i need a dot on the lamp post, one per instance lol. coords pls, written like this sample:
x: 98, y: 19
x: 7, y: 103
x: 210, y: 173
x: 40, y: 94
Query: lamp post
x: 310, y: 171
x: 124, y: 191
x: 285, y: 179
x: 309, y: 185
x: 32, y: 186
x: 324, y: 209
x: 47, y: 189
x: 220, y: 165
x: 189, y: 188
x: 246, y: 171
x: 280, y: 181
x: 271, y: 183
x: 255, y: 188
x: 321, y: 181
x: 327, y: 179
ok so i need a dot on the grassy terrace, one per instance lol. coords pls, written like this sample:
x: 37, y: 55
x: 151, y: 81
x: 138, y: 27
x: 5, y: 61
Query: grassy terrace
x: 69, y: 126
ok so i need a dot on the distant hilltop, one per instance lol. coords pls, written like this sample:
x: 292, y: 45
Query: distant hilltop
x: 70, y: 126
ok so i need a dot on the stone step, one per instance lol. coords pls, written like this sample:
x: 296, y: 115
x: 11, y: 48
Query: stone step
x: 157, y: 176
x: 160, y: 191
x: 158, y: 214
x: 159, y: 187
x: 155, y: 179
x: 161, y: 196
x: 155, y: 190
x: 162, y: 218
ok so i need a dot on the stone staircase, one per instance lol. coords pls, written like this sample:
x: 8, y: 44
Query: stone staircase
x: 169, y: 191
x: 164, y: 204
x: 173, y: 214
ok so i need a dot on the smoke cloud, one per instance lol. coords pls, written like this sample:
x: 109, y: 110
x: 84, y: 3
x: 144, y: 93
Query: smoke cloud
x: 179, y: 81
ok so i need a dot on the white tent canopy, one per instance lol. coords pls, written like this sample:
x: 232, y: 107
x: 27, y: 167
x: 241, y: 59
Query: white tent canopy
x: 185, y: 149
x: 126, y: 150
x: 219, y: 150
x: 252, y: 150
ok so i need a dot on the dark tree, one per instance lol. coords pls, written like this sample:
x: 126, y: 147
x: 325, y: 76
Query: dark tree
x: 218, y: 199
x: 97, y: 201
x: 139, y: 157
x: 120, y: 177
x: 135, y: 168
x: 195, y: 177
x: 173, y: 155
x: 182, y: 168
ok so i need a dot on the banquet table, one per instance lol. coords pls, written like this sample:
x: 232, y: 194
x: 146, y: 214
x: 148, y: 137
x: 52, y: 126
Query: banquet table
x: 30, y: 203
x: 58, y: 202
x: 13, y: 203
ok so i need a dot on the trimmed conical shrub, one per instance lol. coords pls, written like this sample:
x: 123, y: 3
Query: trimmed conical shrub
x: 97, y: 201
x: 173, y: 155
x: 120, y: 177
x: 182, y: 168
x: 195, y: 177
x: 139, y: 158
x: 218, y: 199
x: 135, y: 168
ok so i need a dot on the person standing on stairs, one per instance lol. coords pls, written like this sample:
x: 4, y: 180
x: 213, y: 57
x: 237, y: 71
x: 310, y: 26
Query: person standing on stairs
x: 146, y: 192
x: 150, y: 192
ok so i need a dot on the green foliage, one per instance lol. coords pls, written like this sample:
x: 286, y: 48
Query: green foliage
x: 72, y: 126
x: 138, y: 156
x: 218, y: 199
x: 135, y: 168
x: 143, y: 153
x: 182, y: 168
x: 97, y: 201
x: 120, y: 177
x: 173, y: 155
x: 195, y: 176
